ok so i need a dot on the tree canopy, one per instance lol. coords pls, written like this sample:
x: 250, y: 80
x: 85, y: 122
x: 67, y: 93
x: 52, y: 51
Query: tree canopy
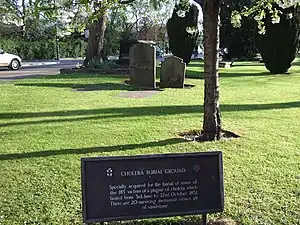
x: 259, y: 9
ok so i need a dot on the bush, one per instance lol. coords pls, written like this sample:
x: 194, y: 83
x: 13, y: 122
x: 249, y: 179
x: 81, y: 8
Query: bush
x: 44, y: 49
x: 278, y: 46
x: 241, y: 42
x: 183, y: 31
x: 99, y: 64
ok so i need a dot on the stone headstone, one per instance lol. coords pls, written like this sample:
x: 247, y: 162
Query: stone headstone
x: 172, y: 73
x: 142, y: 65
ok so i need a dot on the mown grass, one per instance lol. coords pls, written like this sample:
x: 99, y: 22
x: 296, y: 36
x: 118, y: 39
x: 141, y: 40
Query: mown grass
x: 46, y: 127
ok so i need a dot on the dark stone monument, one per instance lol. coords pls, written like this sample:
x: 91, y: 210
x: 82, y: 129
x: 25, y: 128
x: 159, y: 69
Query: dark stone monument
x: 172, y: 73
x: 142, y: 65
x: 147, y: 186
x: 125, y: 45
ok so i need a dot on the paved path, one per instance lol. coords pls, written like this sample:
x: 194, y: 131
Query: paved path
x: 37, y: 68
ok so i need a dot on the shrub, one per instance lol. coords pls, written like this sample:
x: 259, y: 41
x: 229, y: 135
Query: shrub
x: 241, y: 42
x: 102, y: 64
x: 44, y: 49
x: 183, y: 30
x: 278, y: 46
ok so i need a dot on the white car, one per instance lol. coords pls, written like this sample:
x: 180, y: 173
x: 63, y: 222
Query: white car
x: 9, y: 60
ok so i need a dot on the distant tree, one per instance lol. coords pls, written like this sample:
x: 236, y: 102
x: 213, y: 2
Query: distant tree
x: 36, y: 19
x: 278, y: 24
x: 97, y: 26
x: 278, y: 46
x: 149, y: 22
x: 9, y: 30
x: 240, y: 42
x: 14, y: 12
x: 183, y: 30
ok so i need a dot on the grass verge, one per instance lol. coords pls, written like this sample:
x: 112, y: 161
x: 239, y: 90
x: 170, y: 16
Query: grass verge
x: 46, y: 127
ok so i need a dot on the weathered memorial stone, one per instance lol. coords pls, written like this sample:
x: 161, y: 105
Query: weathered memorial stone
x: 142, y: 65
x: 172, y: 73
x: 125, y: 46
x: 135, y: 187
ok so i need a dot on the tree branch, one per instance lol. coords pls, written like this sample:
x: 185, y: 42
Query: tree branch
x: 15, y: 6
x: 125, y: 1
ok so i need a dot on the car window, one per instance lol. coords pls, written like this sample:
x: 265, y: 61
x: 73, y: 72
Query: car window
x: 1, y: 51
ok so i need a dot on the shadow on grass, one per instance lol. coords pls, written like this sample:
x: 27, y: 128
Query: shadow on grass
x: 146, y: 110
x: 81, y: 87
x: 240, y: 64
x: 243, y: 74
x: 296, y: 63
x: 81, y: 151
x: 11, y: 78
x: 108, y: 113
x: 200, y: 74
x: 197, y: 65
x: 79, y: 76
x: 194, y: 74
x: 133, y: 111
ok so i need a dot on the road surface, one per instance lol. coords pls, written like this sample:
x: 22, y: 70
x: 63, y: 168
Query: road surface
x: 37, y: 68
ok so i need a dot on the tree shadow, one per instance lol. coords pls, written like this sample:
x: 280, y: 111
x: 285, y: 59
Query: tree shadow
x: 197, y: 65
x: 83, y: 75
x: 247, y: 64
x: 17, y: 77
x: 82, y: 87
x: 95, y: 114
x: 81, y: 151
x: 243, y: 74
x: 297, y: 63
x: 149, y: 110
x: 200, y: 74
x: 194, y: 74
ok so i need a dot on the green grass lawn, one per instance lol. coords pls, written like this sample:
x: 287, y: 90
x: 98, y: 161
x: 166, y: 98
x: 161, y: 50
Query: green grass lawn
x: 46, y: 127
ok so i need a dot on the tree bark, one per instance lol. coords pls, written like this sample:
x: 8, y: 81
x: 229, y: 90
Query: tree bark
x: 212, y: 115
x: 95, y: 51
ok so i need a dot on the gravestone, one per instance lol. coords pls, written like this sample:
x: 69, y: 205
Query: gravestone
x: 142, y: 65
x: 172, y: 73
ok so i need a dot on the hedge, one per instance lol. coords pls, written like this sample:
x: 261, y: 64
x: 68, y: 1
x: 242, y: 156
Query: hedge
x: 44, y: 49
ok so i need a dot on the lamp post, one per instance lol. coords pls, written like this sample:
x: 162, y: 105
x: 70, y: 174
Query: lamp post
x: 56, y: 35
x: 57, y: 46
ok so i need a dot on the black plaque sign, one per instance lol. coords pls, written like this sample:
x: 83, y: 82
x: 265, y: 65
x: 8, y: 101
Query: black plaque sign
x: 135, y: 187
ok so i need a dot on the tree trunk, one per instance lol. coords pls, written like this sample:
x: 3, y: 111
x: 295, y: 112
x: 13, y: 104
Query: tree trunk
x: 95, y: 52
x: 212, y: 116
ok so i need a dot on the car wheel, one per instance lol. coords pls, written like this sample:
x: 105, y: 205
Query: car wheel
x: 14, y: 64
